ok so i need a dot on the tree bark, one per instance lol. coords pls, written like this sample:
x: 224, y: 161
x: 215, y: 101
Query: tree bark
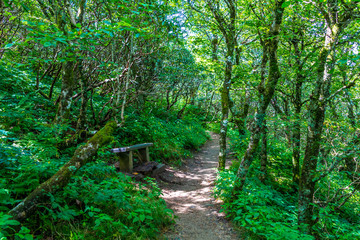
x: 82, y: 155
x: 296, y: 131
x: 227, y: 28
x: 266, y: 95
x: 317, y: 108
x: 225, y: 105
x: 263, y: 154
x: 84, y: 98
x: 67, y: 86
x: 296, y: 144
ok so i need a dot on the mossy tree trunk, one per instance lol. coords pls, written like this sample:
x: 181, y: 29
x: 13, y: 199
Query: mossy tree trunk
x: 296, y: 145
x: 67, y: 86
x: 59, y: 13
x: 225, y: 105
x: 266, y: 92
x: 297, y: 103
x: 84, y: 98
x: 82, y: 155
x: 263, y: 154
x: 227, y: 28
x: 335, y: 23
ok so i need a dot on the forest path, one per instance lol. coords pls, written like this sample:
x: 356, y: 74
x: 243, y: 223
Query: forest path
x: 188, y: 192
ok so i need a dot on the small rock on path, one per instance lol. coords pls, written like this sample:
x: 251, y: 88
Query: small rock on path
x: 188, y: 193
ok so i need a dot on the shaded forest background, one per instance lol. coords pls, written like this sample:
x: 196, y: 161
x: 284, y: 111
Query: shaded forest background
x: 277, y: 78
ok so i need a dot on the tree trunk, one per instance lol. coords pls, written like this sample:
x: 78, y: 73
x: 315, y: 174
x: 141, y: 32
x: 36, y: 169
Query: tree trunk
x: 227, y: 28
x: 82, y: 155
x: 225, y: 104
x: 296, y: 131
x: 263, y: 154
x: 317, y: 107
x: 266, y: 95
x: 296, y: 143
x: 208, y: 108
x: 67, y: 86
x: 84, y: 99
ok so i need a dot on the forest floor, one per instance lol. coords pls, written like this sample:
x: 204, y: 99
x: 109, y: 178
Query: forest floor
x: 188, y: 191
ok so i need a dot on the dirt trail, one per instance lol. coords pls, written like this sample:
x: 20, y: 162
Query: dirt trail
x: 188, y: 193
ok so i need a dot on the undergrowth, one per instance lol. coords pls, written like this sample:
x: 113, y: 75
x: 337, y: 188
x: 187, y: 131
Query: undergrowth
x: 174, y: 139
x: 98, y: 203
x: 269, y: 210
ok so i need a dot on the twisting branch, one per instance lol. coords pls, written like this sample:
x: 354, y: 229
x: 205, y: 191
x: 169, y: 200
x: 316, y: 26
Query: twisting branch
x: 351, y: 84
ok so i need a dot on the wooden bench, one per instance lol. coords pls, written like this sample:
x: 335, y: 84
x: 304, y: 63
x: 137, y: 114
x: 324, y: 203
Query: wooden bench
x: 125, y: 155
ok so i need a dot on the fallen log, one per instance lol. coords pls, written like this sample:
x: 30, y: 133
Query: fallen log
x: 82, y: 155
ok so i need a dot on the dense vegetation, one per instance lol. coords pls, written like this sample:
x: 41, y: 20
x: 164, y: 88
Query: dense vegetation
x: 276, y: 77
x: 62, y: 77
x: 290, y: 103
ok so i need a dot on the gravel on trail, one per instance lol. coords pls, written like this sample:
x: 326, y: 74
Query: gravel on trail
x: 189, y: 193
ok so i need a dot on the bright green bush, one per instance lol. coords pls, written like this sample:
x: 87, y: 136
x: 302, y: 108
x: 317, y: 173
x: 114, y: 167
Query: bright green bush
x: 94, y: 206
x: 269, y: 211
x: 100, y: 203
x: 260, y: 209
x: 173, y: 138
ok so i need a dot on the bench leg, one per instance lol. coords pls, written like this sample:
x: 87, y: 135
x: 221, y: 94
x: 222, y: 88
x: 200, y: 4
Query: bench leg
x: 126, y: 161
x: 144, y: 154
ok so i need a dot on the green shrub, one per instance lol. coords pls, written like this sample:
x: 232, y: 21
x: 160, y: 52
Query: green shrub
x: 259, y: 208
x: 173, y: 138
x: 94, y: 204
x: 98, y: 201
x: 7, y: 226
x: 269, y: 211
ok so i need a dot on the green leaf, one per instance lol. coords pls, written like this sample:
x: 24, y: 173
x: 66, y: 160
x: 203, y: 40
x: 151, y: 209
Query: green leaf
x: 7, y: 3
x: 10, y: 222
x: 62, y: 40
x: 285, y: 4
x: 7, y: 46
x: 28, y: 237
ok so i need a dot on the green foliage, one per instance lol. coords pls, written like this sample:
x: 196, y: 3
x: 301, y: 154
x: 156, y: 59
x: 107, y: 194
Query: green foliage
x: 19, y: 103
x: 260, y: 209
x: 7, y: 226
x: 100, y: 202
x: 214, y: 127
x: 333, y: 224
x: 113, y: 40
x: 173, y: 138
x: 269, y: 210
x: 279, y: 159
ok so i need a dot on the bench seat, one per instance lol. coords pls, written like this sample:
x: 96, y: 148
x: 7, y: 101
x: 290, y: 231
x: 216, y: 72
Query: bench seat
x: 125, y: 155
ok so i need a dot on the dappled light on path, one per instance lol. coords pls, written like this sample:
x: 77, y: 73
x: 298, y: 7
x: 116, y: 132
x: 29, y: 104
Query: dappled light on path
x: 188, y: 193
